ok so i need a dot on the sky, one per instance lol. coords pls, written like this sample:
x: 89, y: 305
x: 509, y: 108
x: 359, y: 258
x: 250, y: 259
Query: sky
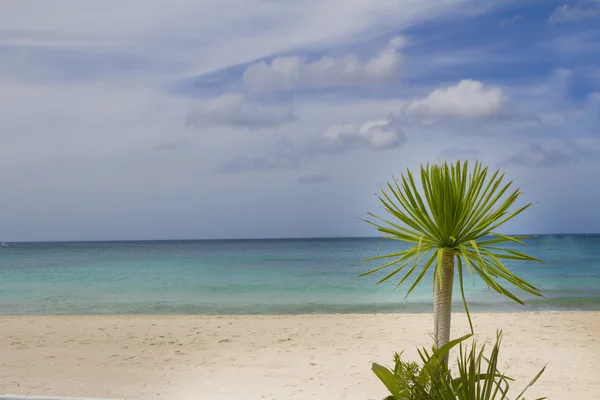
x: 201, y: 119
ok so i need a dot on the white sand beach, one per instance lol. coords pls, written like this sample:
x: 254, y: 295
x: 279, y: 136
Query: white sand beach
x: 275, y: 357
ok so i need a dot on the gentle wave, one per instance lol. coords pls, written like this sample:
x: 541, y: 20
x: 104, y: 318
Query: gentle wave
x: 555, y: 304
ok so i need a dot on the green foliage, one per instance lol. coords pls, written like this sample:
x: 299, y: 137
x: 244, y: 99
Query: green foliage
x: 457, y: 212
x: 406, y: 380
x: 477, y: 376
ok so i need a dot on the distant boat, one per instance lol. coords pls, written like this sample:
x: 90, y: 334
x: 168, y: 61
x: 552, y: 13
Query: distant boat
x: 4, y: 245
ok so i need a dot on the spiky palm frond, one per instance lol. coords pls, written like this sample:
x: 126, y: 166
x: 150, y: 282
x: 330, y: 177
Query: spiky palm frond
x: 456, y: 211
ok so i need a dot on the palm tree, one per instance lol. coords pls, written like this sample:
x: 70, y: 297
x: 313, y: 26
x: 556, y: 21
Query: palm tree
x: 452, y: 224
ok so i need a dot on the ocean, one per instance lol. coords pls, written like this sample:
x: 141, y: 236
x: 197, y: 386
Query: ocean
x: 287, y: 276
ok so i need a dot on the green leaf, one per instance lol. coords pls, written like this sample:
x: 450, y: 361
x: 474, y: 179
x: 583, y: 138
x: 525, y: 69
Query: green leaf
x: 531, y: 384
x: 388, y: 378
x: 462, y: 294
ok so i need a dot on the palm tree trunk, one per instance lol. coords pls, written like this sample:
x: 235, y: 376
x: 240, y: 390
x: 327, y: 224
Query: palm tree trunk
x: 442, y: 302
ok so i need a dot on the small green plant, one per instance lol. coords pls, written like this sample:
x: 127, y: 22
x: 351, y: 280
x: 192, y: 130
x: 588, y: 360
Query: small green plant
x: 408, y: 380
x: 477, y: 376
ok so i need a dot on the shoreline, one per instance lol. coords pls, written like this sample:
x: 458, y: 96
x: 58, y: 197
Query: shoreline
x: 317, y: 314
x: 309, y: 314
x: 310, y: 356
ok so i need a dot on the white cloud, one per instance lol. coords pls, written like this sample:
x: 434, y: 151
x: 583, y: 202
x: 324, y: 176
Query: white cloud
x: 375, y: 135
x: 467, y: 99
x: 237, y: 111
x: 566, y: 13
x: 290, y: 72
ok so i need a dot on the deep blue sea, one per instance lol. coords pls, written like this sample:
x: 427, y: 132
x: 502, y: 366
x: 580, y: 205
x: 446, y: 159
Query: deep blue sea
x: 266, y: 277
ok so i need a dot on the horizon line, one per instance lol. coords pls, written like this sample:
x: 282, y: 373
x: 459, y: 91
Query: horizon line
x: 266, y: 238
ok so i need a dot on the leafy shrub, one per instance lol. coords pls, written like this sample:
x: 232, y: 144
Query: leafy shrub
x: 477, y: 376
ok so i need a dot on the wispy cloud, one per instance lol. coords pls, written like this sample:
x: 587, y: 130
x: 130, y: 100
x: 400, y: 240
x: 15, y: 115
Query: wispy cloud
x: 509, y: 21
x: 185, y: 38
x: 237, y: 111
x: 567, y: 13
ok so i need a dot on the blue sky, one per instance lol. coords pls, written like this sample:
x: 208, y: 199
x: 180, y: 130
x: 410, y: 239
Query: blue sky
x: 225, y: 119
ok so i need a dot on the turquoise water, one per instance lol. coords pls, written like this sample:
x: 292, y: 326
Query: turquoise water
x: 264, y: 277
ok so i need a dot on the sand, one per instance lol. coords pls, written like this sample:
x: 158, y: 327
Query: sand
x: 275, y: 357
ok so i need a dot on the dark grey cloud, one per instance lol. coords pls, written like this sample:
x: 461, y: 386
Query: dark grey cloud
x: 236, y: 110
x: 315, y: 178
